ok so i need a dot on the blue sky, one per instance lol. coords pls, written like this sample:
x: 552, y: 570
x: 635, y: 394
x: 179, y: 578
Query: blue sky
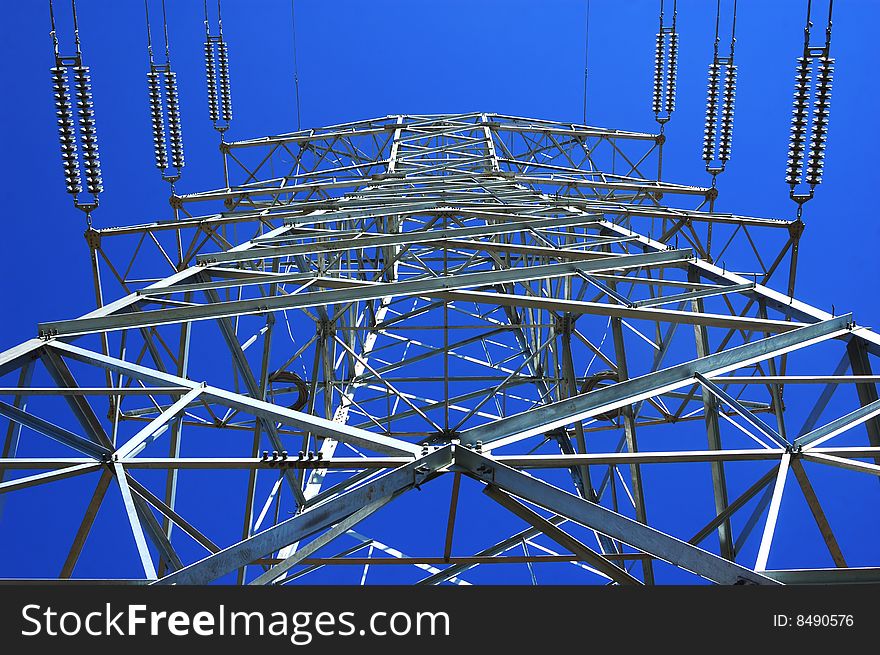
x: 360, y: 60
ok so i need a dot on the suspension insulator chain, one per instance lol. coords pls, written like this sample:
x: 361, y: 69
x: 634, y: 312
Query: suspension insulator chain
x: 812, y: 97
x: 665, y: 68
x: 671, y: 72
x: 720, y: 101
x: 164, y: 108
x: 217, y: 66
x: 225, y: 88
x: 88, y: 133
x: 211, y: 76
x: 711, y: 112
x: 77, y: 132
x: 725, y: 141
x: 157, y: 117
x: 799, y: 115
x: 175, y: 135
x: 657, y: 104
x: 821, y: 109
x: 66, y: 130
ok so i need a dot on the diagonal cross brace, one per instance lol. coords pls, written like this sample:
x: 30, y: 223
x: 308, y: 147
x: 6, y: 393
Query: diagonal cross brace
x: 323, y: 427
x: 310, y: 521
x: 624, y: 529
x: 547, y: 417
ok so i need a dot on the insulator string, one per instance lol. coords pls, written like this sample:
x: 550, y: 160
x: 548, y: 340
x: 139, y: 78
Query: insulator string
x: 88, y: 134
x: 158, y: 119
x: 66, y: 130
x: 174, y: 132
x: 720, y: 100
x: 225, y: 90
x: 217, y: 74
x: 810, y: 114
x: 665, y: 67
x: 77, y: 131
x: 164, y: 101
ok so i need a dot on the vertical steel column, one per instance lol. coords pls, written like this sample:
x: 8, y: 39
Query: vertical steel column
x: 713, y: 432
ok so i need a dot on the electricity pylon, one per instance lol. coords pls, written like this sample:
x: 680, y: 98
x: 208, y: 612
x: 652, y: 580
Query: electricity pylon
x: 586, y: 374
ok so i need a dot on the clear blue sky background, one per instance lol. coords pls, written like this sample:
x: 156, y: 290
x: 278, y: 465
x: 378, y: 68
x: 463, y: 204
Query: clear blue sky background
x: 359, y: 60
x: 365, y: 59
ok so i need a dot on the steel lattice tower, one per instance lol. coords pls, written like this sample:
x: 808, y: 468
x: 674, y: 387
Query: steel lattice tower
x: 456, y: 304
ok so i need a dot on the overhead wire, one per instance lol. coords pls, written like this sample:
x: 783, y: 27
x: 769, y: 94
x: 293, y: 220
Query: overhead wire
x: 295, y: 66
x: 586, y: 58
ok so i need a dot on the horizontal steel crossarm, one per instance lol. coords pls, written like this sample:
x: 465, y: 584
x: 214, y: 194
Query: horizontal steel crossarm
x: 547, y: 417
x: 552, y: 304
x: 366, y: 291
x: 686, y: 215
x: 310, y: 135
x: 600, y: 182
x: 243, y: 463
x: 381, y: 240
x: 522, y: 249
x: 593, y: 516
x: 620, y: 311
x: 227, y: 278
x: 204, y: 223
x: 551, y: 127
x: 669, y: 457
x: 386, y: 462
x: 796, y: 379
x: 310, y: 521
x: 454, y: 123
x: 307, y: 422
x: 302, y: 212
x: 93, y: 391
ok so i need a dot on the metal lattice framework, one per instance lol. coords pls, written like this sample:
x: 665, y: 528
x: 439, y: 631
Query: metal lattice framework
x: 515, y: 306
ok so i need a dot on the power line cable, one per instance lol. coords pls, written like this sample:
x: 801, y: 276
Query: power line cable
x: 295, y: 66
